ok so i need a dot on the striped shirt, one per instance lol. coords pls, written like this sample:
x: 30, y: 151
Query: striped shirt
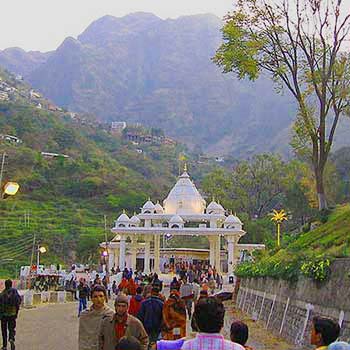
x: 210, y: 341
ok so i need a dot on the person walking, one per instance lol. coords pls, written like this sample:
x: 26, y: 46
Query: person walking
x: 208, y: 318
x: 83, y: 290
x: 90, y: 319
x: 186, y: 293
x: 175, y: 284
x: 114, y: 327
x: 10, y: 302
x: 195, y: 289
x: 174, y: 317
x: 212, y: 285
x: 135, y: 302
x: 151, y: 315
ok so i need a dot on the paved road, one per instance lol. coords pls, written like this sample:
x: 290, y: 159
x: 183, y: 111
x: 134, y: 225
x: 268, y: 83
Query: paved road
x: 55, y: 327
x: 49, y: 327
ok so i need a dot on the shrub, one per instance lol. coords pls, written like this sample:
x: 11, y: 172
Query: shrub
x: 318, y: 270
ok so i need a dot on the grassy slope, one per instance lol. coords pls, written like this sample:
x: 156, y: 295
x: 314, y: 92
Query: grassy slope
x: 328, y: 241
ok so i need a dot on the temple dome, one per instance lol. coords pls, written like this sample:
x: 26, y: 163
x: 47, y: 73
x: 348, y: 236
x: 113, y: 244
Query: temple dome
x: 158, y: 208
x: 122, y: 221
x: 233, y: 221
x: 176, y: 219
x: 123, y: 218
x: 148, y: 207
x: 212, y: 206
x: 184, y: 198
x: 135, y: 221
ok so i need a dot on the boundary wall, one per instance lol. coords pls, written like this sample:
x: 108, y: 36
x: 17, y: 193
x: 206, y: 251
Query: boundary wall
x: 31, y: 298
x: 287, y: 308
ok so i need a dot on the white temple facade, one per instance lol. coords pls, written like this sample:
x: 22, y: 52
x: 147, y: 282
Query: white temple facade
x: 184, y: 213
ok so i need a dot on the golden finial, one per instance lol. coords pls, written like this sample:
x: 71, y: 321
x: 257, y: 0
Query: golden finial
x: 185, y: 167
x: 124, y: 211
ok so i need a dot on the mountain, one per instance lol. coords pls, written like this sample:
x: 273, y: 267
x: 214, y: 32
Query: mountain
x: 21, y: 62
x: 140, y: 68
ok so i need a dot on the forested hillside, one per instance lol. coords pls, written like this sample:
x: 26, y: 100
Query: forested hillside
x: 63, y: 197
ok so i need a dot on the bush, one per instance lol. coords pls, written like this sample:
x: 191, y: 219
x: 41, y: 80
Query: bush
x: 306, y: 227
x: 323, y: 215
x: 317, y: 270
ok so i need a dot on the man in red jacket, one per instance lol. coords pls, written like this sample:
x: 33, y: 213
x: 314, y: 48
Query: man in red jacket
x: 135, y: 302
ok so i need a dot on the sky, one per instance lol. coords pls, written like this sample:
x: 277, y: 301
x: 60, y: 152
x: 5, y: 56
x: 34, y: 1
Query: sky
x: 43, y: 24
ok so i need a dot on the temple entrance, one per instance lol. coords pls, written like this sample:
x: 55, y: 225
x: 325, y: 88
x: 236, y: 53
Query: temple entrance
x: 137, y: 244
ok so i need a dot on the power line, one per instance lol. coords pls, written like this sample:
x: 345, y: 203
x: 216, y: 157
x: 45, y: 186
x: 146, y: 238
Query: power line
x: 15, y: 254
x: 19, y: 241
x: 19, y: 247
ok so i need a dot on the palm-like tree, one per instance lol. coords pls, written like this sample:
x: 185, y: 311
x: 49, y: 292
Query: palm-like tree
x: 278, y: 217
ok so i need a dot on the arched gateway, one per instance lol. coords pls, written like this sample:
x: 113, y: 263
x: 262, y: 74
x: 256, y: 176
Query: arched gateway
x: 184, y: 213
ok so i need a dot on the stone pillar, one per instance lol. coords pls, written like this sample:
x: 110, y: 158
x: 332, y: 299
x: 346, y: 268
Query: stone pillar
x: 213, y: 224
x: 147, y: 255
x: 111, y: 258
x: 134, y: 254
x: 218, y: 254
x: 148, y: 223
x: 230, y: 247
x: 212, y: 250
x: 156, y: 253
x: 231, y: 253
x: 116, y: 257
x: 122, y: 252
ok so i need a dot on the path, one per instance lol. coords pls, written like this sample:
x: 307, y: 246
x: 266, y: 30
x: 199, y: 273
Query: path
x: 55, y: 327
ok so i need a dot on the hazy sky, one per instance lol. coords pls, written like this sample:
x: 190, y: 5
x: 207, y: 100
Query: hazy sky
x: 43, y: 24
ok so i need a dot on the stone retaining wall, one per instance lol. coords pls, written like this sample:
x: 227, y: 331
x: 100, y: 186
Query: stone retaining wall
x: 287, y: 309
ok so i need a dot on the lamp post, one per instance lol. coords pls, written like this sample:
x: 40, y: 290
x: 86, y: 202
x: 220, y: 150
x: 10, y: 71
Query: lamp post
x: 10, y: 188
x: 278, y: 217
x: 40, y: 250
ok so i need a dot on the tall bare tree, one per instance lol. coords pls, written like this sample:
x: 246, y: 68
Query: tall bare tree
x: 302, y: 45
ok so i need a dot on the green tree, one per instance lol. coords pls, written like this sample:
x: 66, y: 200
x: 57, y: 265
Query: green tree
x: 253, y: 187
x: 218, y: 185
x: 300, y: 44
x: 258, y: 184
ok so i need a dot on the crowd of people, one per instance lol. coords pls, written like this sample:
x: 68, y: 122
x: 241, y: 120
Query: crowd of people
x: 144, y: 319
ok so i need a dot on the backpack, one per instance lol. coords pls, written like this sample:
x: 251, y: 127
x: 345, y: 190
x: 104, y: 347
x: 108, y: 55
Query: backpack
x: 10, y: 297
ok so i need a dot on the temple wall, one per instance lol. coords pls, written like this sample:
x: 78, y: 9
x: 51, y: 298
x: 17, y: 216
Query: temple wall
x: 287, y: 308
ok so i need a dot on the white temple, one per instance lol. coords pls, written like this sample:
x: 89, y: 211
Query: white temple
x: 184, y: 213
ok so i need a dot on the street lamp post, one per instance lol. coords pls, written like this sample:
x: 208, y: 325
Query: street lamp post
x: 11, y: 188
x: 41, y: 250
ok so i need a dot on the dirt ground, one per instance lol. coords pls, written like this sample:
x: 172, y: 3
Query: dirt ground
x: 259, y: 337
x: 55, y: 327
